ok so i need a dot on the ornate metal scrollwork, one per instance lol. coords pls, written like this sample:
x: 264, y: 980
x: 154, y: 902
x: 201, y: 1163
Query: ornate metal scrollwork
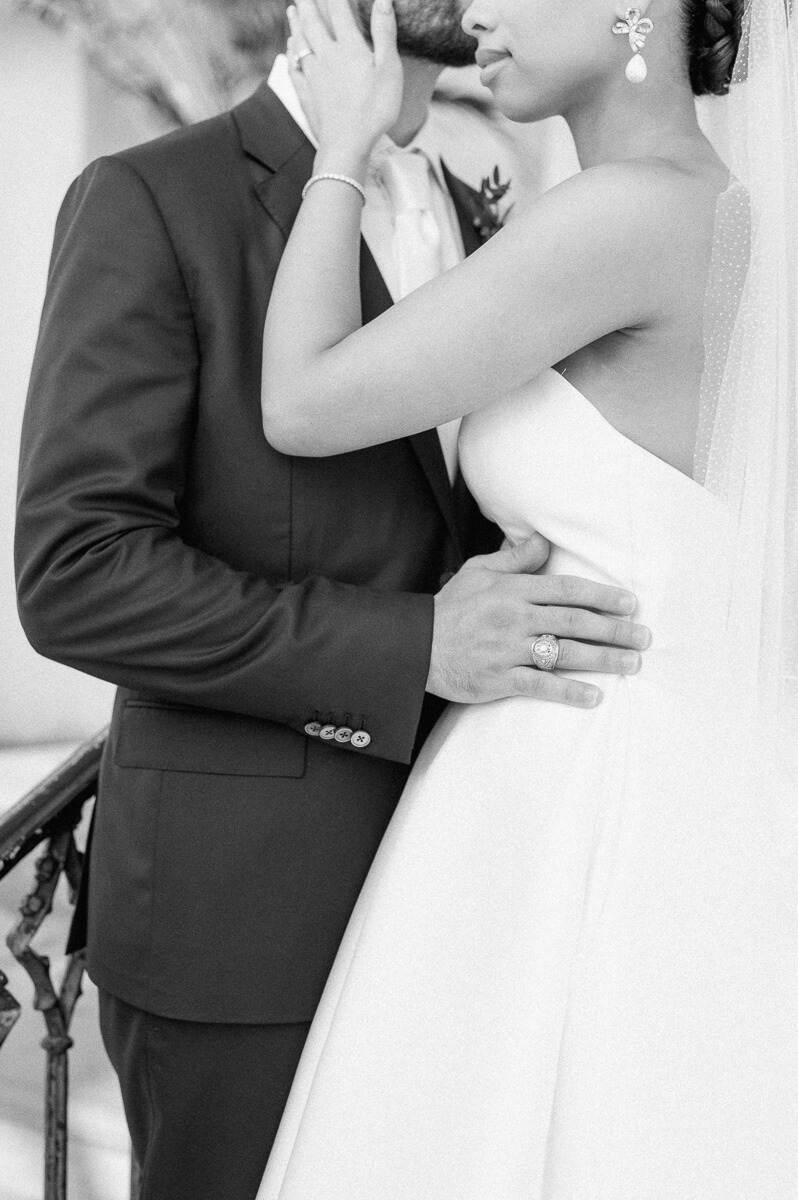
x: 9, y: 1009
x: 49, y: 814
x: 56, y: 1005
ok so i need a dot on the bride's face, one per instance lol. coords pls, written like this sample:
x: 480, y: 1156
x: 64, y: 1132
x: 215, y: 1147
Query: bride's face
x: 536, y: 54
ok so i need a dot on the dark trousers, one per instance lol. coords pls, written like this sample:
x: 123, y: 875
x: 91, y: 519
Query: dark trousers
x: 202, y: 1101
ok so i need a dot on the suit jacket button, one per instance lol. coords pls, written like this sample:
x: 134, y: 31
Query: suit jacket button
x: 313, y: 728
x: 343, y: 735
x: 361, y: 739
x: 327, y: 733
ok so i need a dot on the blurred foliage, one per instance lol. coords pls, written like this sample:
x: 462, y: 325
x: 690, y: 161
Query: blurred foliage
x: 190, y: 59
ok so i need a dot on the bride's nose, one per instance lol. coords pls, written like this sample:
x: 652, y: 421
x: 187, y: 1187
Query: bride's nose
x: 476, y: 19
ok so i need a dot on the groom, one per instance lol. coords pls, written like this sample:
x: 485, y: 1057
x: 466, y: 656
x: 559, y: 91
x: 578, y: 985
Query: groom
x: 276, y: 627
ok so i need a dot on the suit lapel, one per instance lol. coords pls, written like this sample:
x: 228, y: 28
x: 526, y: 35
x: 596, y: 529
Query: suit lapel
x: 375, y: 299
x: 270, y: 135
x: 457, y: 510
x: 466, y: 204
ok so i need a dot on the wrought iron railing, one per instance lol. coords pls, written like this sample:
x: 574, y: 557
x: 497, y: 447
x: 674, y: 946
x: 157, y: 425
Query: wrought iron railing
x: 50, y: 814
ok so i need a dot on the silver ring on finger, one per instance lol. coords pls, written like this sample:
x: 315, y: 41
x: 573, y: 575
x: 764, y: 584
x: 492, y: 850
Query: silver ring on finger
x: 545, y: 652
x: 297, y: 58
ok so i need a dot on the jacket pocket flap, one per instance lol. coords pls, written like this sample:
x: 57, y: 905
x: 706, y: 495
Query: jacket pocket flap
x: 163, y: 737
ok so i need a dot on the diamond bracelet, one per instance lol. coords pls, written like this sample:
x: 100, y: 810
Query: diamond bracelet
x: 339, y: 179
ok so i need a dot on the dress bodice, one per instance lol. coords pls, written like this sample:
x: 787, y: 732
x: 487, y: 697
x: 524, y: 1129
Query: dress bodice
x: 545, y: 459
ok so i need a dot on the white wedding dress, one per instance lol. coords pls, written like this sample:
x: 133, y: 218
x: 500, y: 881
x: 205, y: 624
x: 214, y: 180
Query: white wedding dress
x: 572, y: 973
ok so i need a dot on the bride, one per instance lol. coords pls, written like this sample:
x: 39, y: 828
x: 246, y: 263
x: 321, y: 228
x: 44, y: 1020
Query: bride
x: 572, y: 973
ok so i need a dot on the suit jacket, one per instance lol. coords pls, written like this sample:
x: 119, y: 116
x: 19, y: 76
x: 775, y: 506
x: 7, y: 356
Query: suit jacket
x: 238, y: 597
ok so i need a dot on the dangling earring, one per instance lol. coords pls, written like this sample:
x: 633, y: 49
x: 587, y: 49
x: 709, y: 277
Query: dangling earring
x: 636, y: 69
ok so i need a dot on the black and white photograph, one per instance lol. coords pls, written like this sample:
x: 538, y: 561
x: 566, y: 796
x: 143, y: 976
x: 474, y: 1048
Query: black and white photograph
x: 399, y: 600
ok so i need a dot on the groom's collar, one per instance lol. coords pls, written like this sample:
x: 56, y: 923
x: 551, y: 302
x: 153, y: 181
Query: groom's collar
x: 268, y: 132
x: 282, y: 85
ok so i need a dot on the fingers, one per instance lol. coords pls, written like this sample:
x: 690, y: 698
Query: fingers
x: 383, y: 31
x: 342, y: 20
x: 307, y: 21
x: 575, y: 592
x: 523, y: 558
x: 299, y: 79
x: 297, y: 48
x: 541, y: 685
x: 582, y: 625
x: 580, y: 656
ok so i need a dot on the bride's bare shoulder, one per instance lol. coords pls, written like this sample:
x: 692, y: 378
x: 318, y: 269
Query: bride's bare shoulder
x: 640, y: 206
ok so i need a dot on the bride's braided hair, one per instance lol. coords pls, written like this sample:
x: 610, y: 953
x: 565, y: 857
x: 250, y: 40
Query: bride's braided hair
x: 713, y: 39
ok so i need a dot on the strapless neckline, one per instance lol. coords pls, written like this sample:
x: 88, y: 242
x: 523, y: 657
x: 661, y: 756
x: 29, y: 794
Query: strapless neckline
x: 601, y: 421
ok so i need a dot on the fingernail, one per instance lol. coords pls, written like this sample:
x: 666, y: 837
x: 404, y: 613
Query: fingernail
x: 591, y: 697
x: 628, y: 602
x: 631, y: 663
x: 642, y: 638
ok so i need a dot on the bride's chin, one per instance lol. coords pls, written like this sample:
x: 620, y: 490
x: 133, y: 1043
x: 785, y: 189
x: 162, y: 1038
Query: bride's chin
x: 521, y: 109
x: 517, y: 102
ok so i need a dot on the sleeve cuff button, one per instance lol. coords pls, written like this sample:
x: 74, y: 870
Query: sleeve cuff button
x: 361, y: 739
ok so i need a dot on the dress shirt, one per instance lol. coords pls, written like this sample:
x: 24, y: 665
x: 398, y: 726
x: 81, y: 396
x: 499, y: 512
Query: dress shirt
x: 378, y: 222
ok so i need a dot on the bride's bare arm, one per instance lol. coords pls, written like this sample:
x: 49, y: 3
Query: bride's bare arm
x: 576, y: 265
x: 572, y: 268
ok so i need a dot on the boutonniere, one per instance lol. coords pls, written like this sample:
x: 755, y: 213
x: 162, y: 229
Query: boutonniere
x: 487, y: 217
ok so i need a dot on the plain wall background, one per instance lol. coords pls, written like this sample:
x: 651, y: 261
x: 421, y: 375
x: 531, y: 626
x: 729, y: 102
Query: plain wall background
x: 57, y: 114
x: 43, y: 145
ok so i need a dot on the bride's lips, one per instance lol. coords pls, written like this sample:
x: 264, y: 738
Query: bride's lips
x: 491, y: 62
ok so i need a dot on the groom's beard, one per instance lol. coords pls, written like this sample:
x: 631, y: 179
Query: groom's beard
x: 429, y: 29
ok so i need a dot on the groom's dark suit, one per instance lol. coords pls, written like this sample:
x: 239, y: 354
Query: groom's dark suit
x: 240, y: 598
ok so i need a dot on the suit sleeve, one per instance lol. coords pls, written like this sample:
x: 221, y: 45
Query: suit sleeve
x: 105, y: 583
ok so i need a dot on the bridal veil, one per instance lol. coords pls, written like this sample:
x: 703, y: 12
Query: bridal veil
x: 747, y: 446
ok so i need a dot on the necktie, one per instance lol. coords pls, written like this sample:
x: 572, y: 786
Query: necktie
x: 416, y: 238
x: 416, y: 244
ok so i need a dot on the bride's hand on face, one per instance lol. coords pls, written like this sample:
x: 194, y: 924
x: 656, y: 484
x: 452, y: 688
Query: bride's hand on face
x: 351, y: 93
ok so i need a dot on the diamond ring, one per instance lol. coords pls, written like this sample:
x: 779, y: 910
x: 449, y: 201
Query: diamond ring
x: 545, y: 652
